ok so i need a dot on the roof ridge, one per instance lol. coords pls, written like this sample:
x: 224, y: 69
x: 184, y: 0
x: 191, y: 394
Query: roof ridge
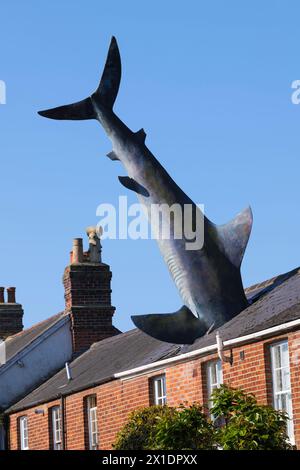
x: 111, y: 338
x: 35, y: 325
x: 270, y: 281
x: 261, y: 298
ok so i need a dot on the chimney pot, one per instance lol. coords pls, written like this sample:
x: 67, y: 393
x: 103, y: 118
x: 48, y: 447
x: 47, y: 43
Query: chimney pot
x: 77, y: 251
x: 11, y: 295
x: 94, y: 234
x: 1, y: 295
x: 87, y: 284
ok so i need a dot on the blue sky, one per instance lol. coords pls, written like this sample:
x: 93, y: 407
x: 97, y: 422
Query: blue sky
x: 211, y: 84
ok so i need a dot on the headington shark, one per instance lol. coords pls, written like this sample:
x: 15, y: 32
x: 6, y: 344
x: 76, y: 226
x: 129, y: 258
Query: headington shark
x: 208, y: 278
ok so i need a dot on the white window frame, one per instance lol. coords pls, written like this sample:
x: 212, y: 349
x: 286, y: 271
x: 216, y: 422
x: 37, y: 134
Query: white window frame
x: 160, y: 382
x: 92, y: 422
x: 282, y: 372
x: 56, y: 428
x: 23, y: 430
x: 213, y: 368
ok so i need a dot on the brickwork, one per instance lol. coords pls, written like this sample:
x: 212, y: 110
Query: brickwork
x: 11, y: 319
x: 88, y: 301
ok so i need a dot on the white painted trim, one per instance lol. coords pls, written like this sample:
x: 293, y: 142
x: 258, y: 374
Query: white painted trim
x: 208, y: 349
x: 34, y: 343
x: 158, y: 364
x: 266, y: 332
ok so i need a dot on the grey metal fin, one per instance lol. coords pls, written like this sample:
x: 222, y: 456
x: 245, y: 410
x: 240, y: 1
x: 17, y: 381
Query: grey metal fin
x: 234, y: 236
x: 113, y: 156
x: 141, y: 136
x: 108, y: 88
x: 133, y: 185
x: 105, y: 94
x: 181, y: 327
x: 76, y: 111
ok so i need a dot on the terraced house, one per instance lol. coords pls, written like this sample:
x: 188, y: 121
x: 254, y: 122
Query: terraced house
x: 71, y: 381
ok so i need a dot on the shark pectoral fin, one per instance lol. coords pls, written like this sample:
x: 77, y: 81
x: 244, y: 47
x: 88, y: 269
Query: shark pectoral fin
x: 141, y: 136
x: 181, y: 327
x: 113, y: 156
x: 133, y: 185
x: 235, y: 235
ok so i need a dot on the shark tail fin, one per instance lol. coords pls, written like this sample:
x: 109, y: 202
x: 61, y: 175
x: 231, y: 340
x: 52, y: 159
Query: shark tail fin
x: 181, y: 327
x: 105, y: 94
x: 234, y: 236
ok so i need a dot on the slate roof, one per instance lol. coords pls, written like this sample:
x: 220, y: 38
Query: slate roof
x: 274, y: 302
x: 15, y: 344
x: 99, y: 363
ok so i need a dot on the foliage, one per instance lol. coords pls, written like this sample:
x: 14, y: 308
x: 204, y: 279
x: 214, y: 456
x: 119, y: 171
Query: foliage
x: 245, y: 425
x: 240, y: 423
x: 166, y: 428
x: 138, y: 432
x: 186, y: 429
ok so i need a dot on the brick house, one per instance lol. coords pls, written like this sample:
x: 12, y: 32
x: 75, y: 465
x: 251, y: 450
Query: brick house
x: 85, y: 404
x: 31, y: 356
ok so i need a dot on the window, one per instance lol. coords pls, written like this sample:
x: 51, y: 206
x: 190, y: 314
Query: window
x: 159, y: 390
x: 282, y: 398
x: 23, y: 432
x: 214, y: 378
x: 92, y: 422
x: 56, y: 428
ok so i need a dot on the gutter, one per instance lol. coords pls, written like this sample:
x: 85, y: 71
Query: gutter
x: 208, y: 349
x: 56, y: 396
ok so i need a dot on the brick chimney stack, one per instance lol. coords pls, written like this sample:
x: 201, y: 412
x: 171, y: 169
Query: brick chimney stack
x: 11, y: 313
x: 88, y: 294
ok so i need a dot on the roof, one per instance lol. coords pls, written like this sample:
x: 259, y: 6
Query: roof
x: 99, y: 363
x: 273, y: 302
x: 16, y: 343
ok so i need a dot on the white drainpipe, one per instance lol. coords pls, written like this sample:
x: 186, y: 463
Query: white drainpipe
x: 220, y: 348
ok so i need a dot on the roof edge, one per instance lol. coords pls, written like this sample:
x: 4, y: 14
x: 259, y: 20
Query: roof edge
x: 33, y: 404
x: 35, y: 342
x: 159, y: 364
x: 198, y: 352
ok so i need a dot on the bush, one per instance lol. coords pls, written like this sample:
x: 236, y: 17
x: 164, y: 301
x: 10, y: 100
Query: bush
x: 247, y: 425
x: 239, y: 424
x: 185, y: 429
x: 138, y: 432
x: 166, y: 428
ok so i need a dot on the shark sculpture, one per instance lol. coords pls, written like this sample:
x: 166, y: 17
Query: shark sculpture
x: 208, y: 278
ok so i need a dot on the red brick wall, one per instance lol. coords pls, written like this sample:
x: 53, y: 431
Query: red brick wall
x: 185, y: 383
x: 88, y: 301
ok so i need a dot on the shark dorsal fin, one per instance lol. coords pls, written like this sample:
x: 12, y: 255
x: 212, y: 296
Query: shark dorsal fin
x: 141, y: 136
x: 234, y: 236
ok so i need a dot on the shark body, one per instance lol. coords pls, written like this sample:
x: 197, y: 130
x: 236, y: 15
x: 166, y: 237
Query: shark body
x: 208, y: 278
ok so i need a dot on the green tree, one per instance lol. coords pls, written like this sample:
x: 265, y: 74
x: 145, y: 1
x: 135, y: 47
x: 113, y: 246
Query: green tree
x: 240, y: 423
x: 243, y: 424
x: 138, y: 432
x: 166, y: 428
x: 186, y: 429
